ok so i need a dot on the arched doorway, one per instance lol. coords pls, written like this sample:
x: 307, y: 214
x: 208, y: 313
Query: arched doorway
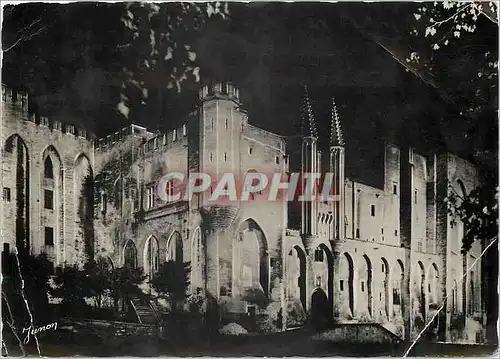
x: 433, y: 286
x: 397, y: 289
x: 419, y: 290
x: 250, y: 260
x: 175, y: 248
x: 84, y: 193
x: 384, y: 299
x: 130, y: 255
x: 434, y: 300
x: 151, y: 257
x: 16, y: 167
x: 346, y: 285
x: 365, y: 283
x: 296, y: 274
x: 323, y: 270
x: 321, y: 310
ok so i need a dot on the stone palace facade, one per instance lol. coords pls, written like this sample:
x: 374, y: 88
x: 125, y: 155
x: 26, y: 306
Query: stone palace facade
x: 385, y: 255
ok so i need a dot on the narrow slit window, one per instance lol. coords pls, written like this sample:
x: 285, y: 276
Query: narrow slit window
x: 49, y: 236
x: 48, y: 168
x: 150, y: 197
x: 169, y: 190
x: 48, y: 199
x: 6, y: 194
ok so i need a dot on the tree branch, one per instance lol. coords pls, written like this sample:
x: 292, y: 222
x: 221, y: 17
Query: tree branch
x: 26, y: 35
x: 452, y: 17
x: 489, y: 13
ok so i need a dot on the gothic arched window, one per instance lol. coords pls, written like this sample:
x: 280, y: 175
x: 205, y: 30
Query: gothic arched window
x: 130, y: 255
x: 48, y: 168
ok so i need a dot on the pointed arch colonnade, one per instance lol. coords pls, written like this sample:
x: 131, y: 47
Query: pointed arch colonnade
x: 360, y: 286
x: 48, y: 194
x: 156, y: 249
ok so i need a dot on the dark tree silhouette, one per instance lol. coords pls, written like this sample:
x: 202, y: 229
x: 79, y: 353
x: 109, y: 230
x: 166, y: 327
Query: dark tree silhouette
x: 172, y: 281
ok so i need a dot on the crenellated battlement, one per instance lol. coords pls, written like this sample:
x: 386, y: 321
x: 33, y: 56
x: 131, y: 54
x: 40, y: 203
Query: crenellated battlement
x: 112, y: 139
x: 15, y: 98
x: 164, y: 139
x: 18, y: 103
x: 222, y: 90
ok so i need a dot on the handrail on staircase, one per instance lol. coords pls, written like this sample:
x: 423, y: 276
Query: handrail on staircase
x: 155, y: 311
x: 135, y: 311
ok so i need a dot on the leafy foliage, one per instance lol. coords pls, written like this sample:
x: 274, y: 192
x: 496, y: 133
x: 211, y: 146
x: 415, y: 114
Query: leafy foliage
x: 35, y: 272
x: 478, y: 210
x: 160, y: 38
x: 450, y: 27
x: 255, y: 296
x: 105, y: 65
x: 172, y: 281
x: 115, y: 169
x: 449, y: 20
x: 96, y: 281
x: 124, y: 285
x: 70, y: 285
x: 195, y: 303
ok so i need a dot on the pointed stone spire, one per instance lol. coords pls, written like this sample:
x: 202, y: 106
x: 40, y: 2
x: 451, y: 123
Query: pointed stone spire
x: 308, y: 122
x: 336, y: 135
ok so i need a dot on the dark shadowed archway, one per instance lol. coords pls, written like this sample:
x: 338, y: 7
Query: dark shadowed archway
x: 323, y: 270
x: 151, y: 257
x: 419, y: 285
x: 84, y: 193
x: 175, y: 248
x: 130, y: 255
x: 250, y: 259
x: 321, y: 310
x: 16, y: 167
x: 365, y: 273
x: 384, y: 301
x: 346, y: 284
x: 296, y: 273
x: 397, y: 288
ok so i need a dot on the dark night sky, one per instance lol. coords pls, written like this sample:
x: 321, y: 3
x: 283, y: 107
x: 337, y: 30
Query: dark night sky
x: 269, y: 51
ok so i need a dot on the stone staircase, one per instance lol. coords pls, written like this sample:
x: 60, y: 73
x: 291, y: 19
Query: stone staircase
x: 145, y: 311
